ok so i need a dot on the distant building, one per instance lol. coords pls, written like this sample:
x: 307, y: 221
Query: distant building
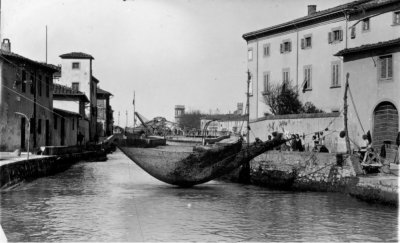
x: 104, y: 113
x: 179, y: 111
x: 315, y: 52
x: 239, y: 110
x: 77, y: 73
x: 224, y: 124
x: 26, y: 87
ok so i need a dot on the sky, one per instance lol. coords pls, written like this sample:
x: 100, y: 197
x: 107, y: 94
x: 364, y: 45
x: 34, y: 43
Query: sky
x: 169, y: 52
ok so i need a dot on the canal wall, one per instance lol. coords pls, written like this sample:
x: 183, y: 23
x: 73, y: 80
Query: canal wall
x: 14, y: 172
x: 303, y: 171
x: 323, y: 172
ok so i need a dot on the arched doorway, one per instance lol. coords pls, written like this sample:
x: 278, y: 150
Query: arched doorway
x: 386, y: 127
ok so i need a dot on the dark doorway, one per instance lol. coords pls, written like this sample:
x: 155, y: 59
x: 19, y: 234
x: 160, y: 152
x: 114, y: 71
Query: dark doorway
x: 386, y: 126
x: 47, y: 131
x: 23, y: 122
x: 62, y: 131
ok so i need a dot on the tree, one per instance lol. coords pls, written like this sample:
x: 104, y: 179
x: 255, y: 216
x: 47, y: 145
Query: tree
x: 284, y: 99
x: 191, y: 119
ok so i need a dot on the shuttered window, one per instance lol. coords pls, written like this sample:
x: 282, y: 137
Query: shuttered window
x: 335, y: 36
x: 386, y: 67
x: 335, y: 71
x: 307, y: 78
x: 286, y: 46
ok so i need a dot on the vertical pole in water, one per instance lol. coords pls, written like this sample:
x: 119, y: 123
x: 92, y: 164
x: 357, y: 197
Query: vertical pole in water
x: 46, y: 43
x: 134, y: 110
x: 126, y: 119
x: 348, y: 148
x: 244, y: 175
x: 248, y: 107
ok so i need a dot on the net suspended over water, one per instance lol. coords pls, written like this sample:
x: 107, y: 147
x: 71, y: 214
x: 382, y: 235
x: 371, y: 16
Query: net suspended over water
x: 178, y: 164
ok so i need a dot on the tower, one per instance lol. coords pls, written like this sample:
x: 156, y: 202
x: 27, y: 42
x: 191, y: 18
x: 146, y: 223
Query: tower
x: 179, y: 111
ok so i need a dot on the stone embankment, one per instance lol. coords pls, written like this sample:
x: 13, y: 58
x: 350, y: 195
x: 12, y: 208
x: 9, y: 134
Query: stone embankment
x: 325, y: 172
x: 14, y: 171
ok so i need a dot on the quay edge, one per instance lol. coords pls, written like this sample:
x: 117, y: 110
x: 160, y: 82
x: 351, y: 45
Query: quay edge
x: 14, y: 172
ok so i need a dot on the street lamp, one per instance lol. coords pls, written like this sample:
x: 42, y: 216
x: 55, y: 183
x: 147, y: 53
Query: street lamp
x: 29, y: 126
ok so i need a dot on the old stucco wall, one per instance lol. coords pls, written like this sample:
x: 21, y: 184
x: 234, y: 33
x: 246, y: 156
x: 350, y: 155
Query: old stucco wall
x: 303, y: 124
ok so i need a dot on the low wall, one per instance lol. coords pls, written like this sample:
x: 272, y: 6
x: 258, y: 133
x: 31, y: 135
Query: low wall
x: 303, y: 124
x: 14, y: 172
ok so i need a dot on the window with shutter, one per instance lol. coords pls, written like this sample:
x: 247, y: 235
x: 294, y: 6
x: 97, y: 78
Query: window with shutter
x: 396, y: 18
x: 266, y: 83
x: 281, y: 48
x: 335, y: 36
x: 386, y: 67
x: 353, y: 32
x: 365, y: 25
x: 266, y: 50
x: 250, y: 54
x: 286, y: 46
x: 307, y: 78
x: 335, y: 70
x: 306, y: 42
x: 285, y: 75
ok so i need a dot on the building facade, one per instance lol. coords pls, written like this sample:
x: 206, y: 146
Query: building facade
x: 25, y: 98
x: 105, y: 118
x: 375, y: 84
x: 77, y: 73
x: 303, y: 52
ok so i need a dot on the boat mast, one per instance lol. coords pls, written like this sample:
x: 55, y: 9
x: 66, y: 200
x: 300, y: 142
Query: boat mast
x: 134, y: 111
x: 345, y: 114
x: 248, y: 106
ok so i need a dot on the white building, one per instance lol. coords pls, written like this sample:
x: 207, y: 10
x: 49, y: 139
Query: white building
x: 77, y: 73
x: 304, y: 50
x: 223, y: 124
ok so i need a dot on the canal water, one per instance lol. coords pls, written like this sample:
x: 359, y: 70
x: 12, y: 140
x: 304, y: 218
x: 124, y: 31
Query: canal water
x: 117, y: 201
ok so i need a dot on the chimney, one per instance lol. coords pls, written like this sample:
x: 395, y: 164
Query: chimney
x: 6, y: 45
x: 312, y: 9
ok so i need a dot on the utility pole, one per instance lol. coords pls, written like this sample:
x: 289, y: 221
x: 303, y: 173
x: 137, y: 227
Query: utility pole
x: 348, y: 148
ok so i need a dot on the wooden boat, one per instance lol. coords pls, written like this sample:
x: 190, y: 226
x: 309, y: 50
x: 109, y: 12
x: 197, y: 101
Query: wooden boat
x: 184, y: 166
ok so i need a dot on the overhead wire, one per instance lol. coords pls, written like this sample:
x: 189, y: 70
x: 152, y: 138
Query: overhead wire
x: 44, y: 107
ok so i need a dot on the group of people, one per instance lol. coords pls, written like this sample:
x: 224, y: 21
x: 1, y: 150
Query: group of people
x: 295, y: 144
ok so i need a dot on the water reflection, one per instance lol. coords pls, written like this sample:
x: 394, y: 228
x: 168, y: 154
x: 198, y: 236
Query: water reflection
x: 117, y: 201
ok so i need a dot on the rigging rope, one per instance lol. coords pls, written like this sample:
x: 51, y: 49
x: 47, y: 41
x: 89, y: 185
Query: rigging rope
x: 355, y: 109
